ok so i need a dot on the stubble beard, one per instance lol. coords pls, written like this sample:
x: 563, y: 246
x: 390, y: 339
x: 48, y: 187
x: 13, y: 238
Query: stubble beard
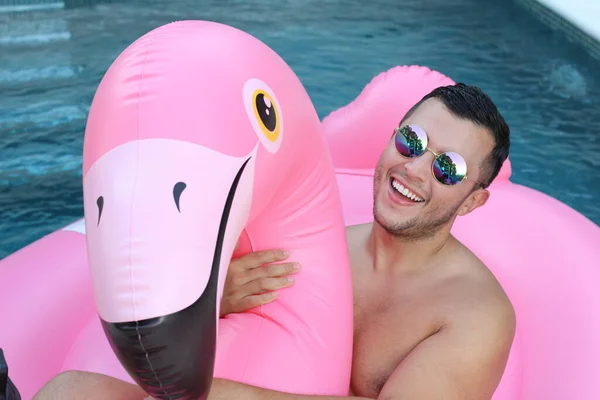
x: 415, y: 229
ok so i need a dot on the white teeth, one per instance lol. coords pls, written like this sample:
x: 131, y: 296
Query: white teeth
x: 404, y: 191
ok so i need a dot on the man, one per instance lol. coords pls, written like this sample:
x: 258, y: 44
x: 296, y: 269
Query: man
x: 431, y: 321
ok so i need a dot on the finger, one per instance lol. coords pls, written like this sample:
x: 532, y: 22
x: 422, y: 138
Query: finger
x: 274, y: 270
x: 256, y: 300
x: 267, y: 284
x: 261, y: 257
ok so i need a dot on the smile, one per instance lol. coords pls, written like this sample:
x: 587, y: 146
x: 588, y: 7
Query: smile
x: 399, y: 188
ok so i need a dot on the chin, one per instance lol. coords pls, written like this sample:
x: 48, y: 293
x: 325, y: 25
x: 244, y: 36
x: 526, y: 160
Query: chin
x: 390, y: 219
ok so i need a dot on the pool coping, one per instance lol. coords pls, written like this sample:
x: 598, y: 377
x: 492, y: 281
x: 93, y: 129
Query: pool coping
x: 572, y: 27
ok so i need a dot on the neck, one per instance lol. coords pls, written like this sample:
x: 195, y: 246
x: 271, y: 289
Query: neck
x: 395, y: 253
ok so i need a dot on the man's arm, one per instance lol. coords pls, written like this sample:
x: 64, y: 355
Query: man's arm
x: 223, y: 389
x: 462, y: 361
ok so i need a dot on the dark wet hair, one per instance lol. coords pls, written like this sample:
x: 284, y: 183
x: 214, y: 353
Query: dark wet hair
x: 470, y: 103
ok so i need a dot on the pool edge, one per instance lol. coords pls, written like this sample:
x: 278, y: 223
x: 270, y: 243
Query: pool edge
x: 572, y: 26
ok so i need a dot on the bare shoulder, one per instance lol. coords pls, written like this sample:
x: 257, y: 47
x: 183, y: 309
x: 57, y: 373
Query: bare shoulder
x: 359, y: 231
x: 480, y: 298
x: 467, y: 355
x: 356, y: 236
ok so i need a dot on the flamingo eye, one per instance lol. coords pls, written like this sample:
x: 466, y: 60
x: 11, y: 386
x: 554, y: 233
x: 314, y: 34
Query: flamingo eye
x: 264, y: 113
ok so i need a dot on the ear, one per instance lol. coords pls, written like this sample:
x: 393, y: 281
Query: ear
x: 475, y: 200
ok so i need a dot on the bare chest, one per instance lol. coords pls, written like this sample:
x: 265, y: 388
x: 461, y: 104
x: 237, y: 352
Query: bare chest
x: 387, y: 327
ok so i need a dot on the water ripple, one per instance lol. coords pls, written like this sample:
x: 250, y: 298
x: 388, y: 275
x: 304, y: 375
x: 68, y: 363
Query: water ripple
x: 547, y: 88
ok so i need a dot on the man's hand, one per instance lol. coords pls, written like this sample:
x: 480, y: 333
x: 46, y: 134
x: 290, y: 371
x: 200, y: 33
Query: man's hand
x: 251, y: 282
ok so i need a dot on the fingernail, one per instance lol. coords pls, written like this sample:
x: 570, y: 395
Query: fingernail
x: 296, y: 267
x: 285, y: 253
x: 290, y: 278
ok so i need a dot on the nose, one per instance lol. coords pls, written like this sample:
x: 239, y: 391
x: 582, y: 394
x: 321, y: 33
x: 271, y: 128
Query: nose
x: 418, y: 168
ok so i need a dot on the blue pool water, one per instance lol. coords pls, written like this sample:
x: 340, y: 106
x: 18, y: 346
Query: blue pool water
x: 52, y: 62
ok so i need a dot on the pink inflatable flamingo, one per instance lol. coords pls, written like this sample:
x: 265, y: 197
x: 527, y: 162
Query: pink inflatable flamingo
x: 151, y: 185
x: 545, y: 254
x: 198, y: 134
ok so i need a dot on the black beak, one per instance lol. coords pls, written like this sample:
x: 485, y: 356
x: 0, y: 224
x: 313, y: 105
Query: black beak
x: 172, y: 357
x: 8, y: 390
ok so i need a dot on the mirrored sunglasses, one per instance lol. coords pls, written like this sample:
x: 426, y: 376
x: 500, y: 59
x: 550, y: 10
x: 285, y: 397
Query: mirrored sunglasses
x: 448, y: 168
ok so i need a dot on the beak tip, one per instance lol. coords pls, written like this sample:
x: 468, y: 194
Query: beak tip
x: 171, y: 356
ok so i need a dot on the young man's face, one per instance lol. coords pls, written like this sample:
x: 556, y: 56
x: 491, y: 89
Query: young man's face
x: 435, y: 205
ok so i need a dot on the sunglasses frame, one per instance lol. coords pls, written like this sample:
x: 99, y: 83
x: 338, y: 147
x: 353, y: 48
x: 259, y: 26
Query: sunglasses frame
x: 397, y: 131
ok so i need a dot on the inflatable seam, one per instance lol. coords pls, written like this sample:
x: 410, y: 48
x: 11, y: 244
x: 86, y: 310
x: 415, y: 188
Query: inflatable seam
x: 135, y: 181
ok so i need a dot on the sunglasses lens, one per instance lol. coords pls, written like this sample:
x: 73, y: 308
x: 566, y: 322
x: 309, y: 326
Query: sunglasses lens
x: 449, y: 168
x: 411, y: 141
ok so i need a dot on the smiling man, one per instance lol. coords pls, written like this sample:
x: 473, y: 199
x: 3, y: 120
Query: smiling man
x: 431, y: 321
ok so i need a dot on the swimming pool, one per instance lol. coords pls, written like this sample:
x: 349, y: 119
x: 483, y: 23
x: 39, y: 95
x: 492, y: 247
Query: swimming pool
x: 52, y: 62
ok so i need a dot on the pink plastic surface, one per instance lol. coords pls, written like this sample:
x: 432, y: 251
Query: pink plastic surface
x: 546, y: 255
